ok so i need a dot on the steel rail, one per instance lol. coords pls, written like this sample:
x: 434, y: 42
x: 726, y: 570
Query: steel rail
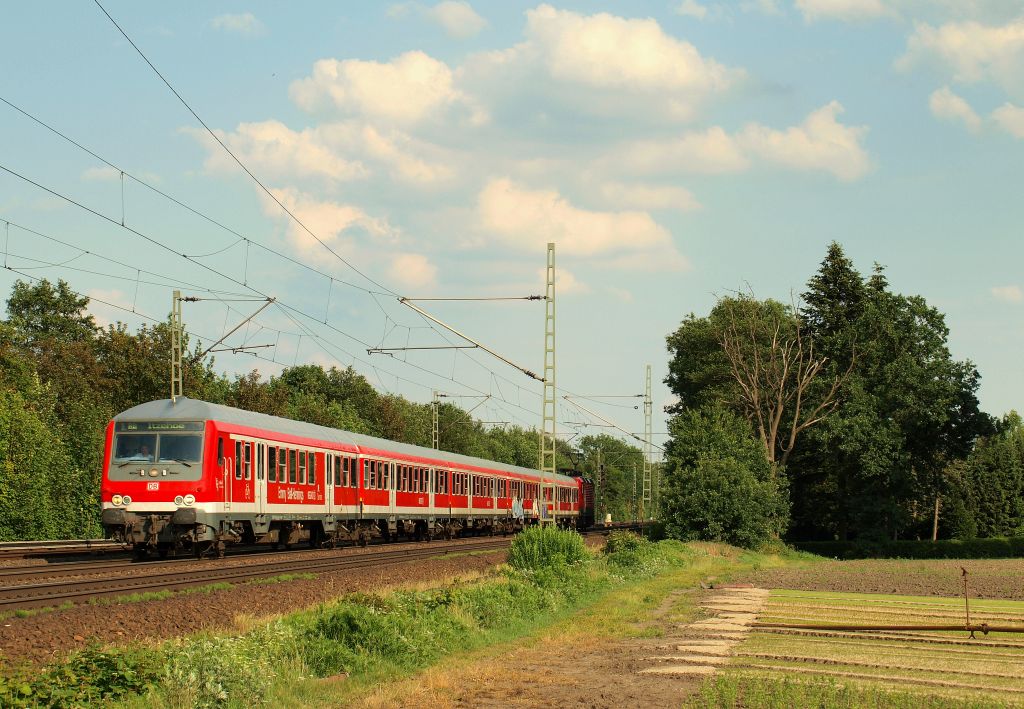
x: 45, y: 594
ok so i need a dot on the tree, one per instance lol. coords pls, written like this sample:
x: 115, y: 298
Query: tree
x: 718, y: 483
x: 775, y: 367
x: 908, y: 409
x: 45, y: 312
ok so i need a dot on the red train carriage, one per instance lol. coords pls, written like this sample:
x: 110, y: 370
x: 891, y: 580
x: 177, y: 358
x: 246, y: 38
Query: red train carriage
x: 194, y: 476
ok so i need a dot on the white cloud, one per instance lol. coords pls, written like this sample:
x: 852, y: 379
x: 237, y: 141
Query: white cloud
x: 244, y: 24
x: 1010, y: 118
x: 971, y: 51
x: 272, y: 148
x: 458, y: 19
x: 565, y: 282
x: 113, y: 308
x: 765, y: 7
x: 410, y: 88
x: 949, y: 106
x: 412, y: 271
x: 1009, y: 294
x: 819, y: 143
x: 712, y: 151
x: 614, y: 52
x: 848, y: 10
x: 527, y: 220
x: 333, y: 151
x: 642, y: 196
x: 692, y: 8
x: 335, y: 224
x: 399, y: 151
x: 621, y: 294
x: 103, y: 173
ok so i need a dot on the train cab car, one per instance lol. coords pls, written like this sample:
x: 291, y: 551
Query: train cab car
x: 190, y: 476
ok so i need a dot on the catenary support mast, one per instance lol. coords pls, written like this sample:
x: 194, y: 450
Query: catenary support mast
x: 648, y: 472
x: 175, y: 346
x: 547, y: 432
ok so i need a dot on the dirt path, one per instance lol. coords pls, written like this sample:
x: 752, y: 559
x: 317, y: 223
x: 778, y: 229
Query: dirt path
x: 659, y: 671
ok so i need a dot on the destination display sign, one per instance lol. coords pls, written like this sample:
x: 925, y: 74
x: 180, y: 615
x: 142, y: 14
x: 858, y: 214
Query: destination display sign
x: 157, y: 426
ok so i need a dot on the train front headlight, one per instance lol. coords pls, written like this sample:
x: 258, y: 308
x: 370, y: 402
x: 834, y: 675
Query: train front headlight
x: 127, y: 500
x: 179, y: 500
x: 154, y: 473
x: 117, y: 500
x: 190, y: 499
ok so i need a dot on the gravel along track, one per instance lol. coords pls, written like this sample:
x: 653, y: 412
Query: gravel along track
x: 37, y: 595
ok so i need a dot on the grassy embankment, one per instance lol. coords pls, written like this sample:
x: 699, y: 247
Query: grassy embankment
x: 360, y: 644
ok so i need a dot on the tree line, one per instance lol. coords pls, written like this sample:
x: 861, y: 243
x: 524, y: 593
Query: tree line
x: 841, y: 416
x: 63, y: 377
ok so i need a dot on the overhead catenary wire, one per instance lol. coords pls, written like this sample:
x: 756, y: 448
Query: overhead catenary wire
x: 495, y: 375
x: 247, y: 241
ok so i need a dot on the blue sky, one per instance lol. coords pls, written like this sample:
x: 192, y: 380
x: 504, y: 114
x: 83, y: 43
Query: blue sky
x: 673, y: 151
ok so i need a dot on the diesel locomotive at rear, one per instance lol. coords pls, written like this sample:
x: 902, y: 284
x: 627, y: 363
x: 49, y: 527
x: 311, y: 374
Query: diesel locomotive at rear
x: 190, y: 476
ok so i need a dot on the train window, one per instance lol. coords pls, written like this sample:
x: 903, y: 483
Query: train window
x: 238, y: 460
x: 371, y: 479
x: 353, y: 471
x: 220, y: 451
x: 424, y: 479
x: 272, y: 464
x: 312, y: 468
x: 403, y: 478
x: 259, y: 462
x: 282, y: 465
x: 340, y: 479
x: 302, y: 467
x: 292, y: 468
x: 247, y: 448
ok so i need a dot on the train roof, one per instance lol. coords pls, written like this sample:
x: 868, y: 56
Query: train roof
x: 185, y: 409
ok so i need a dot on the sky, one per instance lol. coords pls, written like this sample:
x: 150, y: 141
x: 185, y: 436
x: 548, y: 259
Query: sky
x: 673, y: 151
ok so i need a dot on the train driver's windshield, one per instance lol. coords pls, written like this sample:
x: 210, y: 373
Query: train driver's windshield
x: 135, y: 446
x: 163, y: 448
x: 180, y: 447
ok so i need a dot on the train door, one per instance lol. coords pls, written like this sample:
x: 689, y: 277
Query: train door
x: 261, y: 477
x: 328, y: 468
x: 391, y: 483
x: 227, y: 471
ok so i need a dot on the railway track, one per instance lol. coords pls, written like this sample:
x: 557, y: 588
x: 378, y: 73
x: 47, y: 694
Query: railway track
x: 162, y: 578
x: 58, y: 547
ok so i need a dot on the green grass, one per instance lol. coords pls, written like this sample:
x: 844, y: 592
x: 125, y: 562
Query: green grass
x: 280, y: 578
x: 736, y: 690
x: 145, y: 596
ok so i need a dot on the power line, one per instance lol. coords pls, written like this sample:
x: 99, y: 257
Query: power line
x: 233, y: 156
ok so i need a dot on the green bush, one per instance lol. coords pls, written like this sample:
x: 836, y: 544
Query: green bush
x: 88, y: 676
x: 544, y: 546
x: 718, y: 484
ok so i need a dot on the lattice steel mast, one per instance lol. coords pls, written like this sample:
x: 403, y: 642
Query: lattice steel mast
x: 648, y: 411
x: 547, y: 432
x: 175, y: 346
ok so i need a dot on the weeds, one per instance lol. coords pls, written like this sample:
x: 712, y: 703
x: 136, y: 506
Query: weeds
x: 545, y: 546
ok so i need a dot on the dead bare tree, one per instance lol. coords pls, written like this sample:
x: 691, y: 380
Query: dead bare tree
x: 774, y: 364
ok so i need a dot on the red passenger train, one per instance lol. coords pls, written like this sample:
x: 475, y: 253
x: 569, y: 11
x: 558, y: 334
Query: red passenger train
x: 190, y: 476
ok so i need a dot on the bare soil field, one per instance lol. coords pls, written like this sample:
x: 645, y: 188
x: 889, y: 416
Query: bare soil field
x: 987, y: 578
